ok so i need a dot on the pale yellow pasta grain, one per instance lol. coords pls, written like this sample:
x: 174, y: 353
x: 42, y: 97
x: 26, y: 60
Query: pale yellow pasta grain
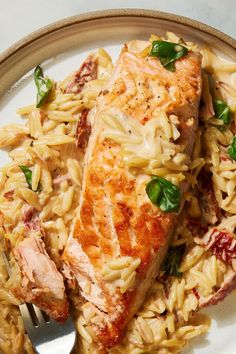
x: 64, y: 186
x: 30, y: 197
x: 135, y: 338
x: 180, y: 293
x: 70, y: 104
x: 3, y: 179
x: 49, y: 107
x: 60, y: 129
x: 88, y: 311
x: 112, y: 275
x: 49, y: 125
x: 128, y: 283
x: 12, y: 134
x: 215, y: 159
x: 144, y: 330
x: 202, y: 279
x: 75, y: 171
x: 57, y: 208
x: 83, y: 332
x: 35, y: 125
x: 60, y: 116
x: 146, y: 314
x: 62, y: 233
x: 172, y: 297
x: 46, y: 180
x: 120, y: 263
x: 7, y: 296
x: 210, y: 269
x: 230, y: 187
x: 87, y: 287
x: 49, y: 225
x: 36, y: 174
x: 158, y: 306
x: 170, y: 323
x: 127, y: 272
x: 173, y: 342
x: 25, y: 110
x: 65, y: 97
x: 54, y: 139
x: 192, y: 256
x: 227, y: 166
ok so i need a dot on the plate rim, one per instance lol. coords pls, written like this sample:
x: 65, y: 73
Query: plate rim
x: 99, y: 15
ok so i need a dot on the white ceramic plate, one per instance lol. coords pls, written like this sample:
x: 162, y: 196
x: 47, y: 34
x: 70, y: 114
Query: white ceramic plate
x: 60, y: 48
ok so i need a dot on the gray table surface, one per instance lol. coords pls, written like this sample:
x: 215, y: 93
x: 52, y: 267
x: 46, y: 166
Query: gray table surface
x: 20, y: 17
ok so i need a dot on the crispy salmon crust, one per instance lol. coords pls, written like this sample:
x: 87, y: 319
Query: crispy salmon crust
x: 116, y: 219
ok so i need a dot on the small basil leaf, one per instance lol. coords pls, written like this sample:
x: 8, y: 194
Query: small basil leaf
x: 153, y: 190
x: 28, y: 174
x: 168, y: 53
x: 232, y: 149
x: 164, y: 194
x: 44, y: 86
x: 222, y: 111
x: 173, y: 260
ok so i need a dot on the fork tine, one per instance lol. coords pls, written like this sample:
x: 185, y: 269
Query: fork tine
x: 46, y: 317
x: 39, y: 315
x: 27, y: 317
x: 40, y: 328
x: 33, y: 315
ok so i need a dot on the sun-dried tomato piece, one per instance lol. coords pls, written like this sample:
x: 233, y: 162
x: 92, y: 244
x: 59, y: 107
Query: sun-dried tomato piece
x: 86, y: 73
x: 83, y: 130
x: 222, y: 245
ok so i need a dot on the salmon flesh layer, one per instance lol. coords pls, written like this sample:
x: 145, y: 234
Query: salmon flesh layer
x: 120, y: 237
x: 42, y: 284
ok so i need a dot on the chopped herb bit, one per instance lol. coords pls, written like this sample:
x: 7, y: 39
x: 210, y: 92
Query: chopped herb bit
x: 163, y: 193
x: 168, y: 53
x: 232, y: 149
x: 44, y: 86
x: 173, y: 260
x: 222, y: 111
x: 28, y: 176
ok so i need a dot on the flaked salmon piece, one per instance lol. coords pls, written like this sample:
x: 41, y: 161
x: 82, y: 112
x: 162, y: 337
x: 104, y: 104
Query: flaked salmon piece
x: 120, y: 237
x: 42, y: 284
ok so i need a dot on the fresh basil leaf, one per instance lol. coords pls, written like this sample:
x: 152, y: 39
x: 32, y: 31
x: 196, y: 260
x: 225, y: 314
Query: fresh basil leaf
x: 163, y: 193
x: 168, y: 53
x: 44, y: 86
x: 28, y: 174
x: 232, y: 149
x: 153, y: 190
x: 173, y: 260
x: 222, y: 111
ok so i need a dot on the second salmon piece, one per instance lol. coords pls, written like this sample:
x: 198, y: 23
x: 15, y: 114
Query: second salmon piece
x: 145, y: 124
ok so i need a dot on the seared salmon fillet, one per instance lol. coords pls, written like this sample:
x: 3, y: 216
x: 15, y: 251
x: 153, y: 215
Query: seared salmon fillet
x: 120, y: 237
x: 42, y: 284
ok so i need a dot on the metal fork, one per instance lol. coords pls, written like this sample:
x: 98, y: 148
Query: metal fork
x: 46, y: 335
